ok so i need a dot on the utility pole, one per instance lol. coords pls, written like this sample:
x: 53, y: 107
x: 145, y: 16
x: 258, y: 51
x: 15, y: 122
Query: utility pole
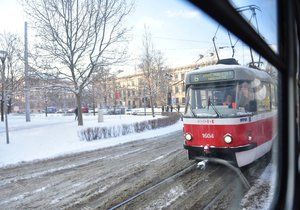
x: 27, y: 104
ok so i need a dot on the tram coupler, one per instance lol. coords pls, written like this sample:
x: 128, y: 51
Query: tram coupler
x: 225, y: 163
x: 202, y: 164
x: 206, y: 149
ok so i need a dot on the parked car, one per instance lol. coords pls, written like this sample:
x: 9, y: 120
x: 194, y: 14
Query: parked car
x: 60, y: 111
x: 104, y: 111
x: 85, y: 109
x: 91, y: 110
x: 130, y: 112
x: 115, y: 111
x: 51, y: 109
x: 71, y: 110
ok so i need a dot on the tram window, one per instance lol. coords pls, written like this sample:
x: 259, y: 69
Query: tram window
x: 262, y: 96
x: 219, y: 102
x: 273, y: 97
x: 246, y: 97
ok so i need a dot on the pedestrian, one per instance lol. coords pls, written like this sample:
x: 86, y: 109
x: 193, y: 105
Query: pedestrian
x: 76, y: 113
x: 178, y: 108
x: 171, y: 108
x: 162, y: 108
x: 167, y: 109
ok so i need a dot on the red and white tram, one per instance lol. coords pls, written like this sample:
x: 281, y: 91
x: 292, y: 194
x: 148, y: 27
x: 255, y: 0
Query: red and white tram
x: 230, y: 113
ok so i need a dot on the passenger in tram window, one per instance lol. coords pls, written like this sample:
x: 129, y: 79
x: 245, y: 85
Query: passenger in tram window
x: 229, y: 102
x: 244, y: 96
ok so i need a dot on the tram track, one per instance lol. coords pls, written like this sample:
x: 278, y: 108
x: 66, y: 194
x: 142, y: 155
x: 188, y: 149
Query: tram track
x: 221, y: 190
x: 172, y: 192
x: 223, y: 200
x: 164, y: 181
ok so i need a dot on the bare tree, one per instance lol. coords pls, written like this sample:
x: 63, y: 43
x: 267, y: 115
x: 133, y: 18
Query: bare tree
x: 95, y: 90
x: 78, y: 38
x: 152, y: 66
x: 11, y: 43
x: 162, y: 81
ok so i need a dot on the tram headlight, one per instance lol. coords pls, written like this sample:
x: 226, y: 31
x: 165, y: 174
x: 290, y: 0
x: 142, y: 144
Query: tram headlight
x: 188, y: 137
x: 228, y: 139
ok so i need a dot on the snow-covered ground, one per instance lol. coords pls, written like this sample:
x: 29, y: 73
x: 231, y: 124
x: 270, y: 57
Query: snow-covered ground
x: 55, y: 135
x: 261, y: 193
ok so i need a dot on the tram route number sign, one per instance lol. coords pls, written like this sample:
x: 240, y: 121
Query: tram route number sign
x: 212, y: 76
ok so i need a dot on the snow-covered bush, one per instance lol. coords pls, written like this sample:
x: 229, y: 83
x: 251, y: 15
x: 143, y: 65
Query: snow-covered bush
x: 126, y: 129
x: 95, y: 133
x: 141, y: 126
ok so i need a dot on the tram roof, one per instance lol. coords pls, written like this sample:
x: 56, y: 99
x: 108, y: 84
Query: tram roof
x: 240, y: 73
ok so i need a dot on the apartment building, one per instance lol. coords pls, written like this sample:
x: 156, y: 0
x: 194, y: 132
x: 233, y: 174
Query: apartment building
x: 131, y: 89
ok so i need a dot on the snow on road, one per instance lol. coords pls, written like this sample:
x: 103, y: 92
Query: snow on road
x: 261, y: 193
x: 55, y: 135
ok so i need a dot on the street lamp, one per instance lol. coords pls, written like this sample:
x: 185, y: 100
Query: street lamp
x: 3, y: 56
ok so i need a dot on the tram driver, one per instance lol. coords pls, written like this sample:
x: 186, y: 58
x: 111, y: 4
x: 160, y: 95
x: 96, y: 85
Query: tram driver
x: 229, y: 102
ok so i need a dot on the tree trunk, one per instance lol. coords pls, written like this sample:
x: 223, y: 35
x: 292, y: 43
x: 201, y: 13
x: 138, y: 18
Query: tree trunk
x: 94, y: 109
x: 2, y: 111
x: 9, y: 106
x: 78, y: 100
x: 152, y: 107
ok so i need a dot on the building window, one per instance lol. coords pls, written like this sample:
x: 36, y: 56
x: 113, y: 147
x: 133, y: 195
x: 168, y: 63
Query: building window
x: 182, y: 76
x: 183, y: 100
x: 176, y: 76
x: 177, y: 100
x: 128, y: 93
x: 133, y: 93
x: 176, y: 89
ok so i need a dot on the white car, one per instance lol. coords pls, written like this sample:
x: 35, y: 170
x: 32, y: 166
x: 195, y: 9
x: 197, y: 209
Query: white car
x: 130, y: 112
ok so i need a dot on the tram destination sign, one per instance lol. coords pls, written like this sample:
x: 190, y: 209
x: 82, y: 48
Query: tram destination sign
x: 212, y: 76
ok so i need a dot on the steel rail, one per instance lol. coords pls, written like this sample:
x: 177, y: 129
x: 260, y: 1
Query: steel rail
x: 178, y: 174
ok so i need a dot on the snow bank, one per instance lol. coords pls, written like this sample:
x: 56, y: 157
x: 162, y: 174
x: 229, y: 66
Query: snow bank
x: 56, y: 135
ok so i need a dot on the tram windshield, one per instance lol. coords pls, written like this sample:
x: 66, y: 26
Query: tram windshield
x: 218, y: 101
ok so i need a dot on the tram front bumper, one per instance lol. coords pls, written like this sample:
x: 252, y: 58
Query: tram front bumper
x: 226, y: 153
